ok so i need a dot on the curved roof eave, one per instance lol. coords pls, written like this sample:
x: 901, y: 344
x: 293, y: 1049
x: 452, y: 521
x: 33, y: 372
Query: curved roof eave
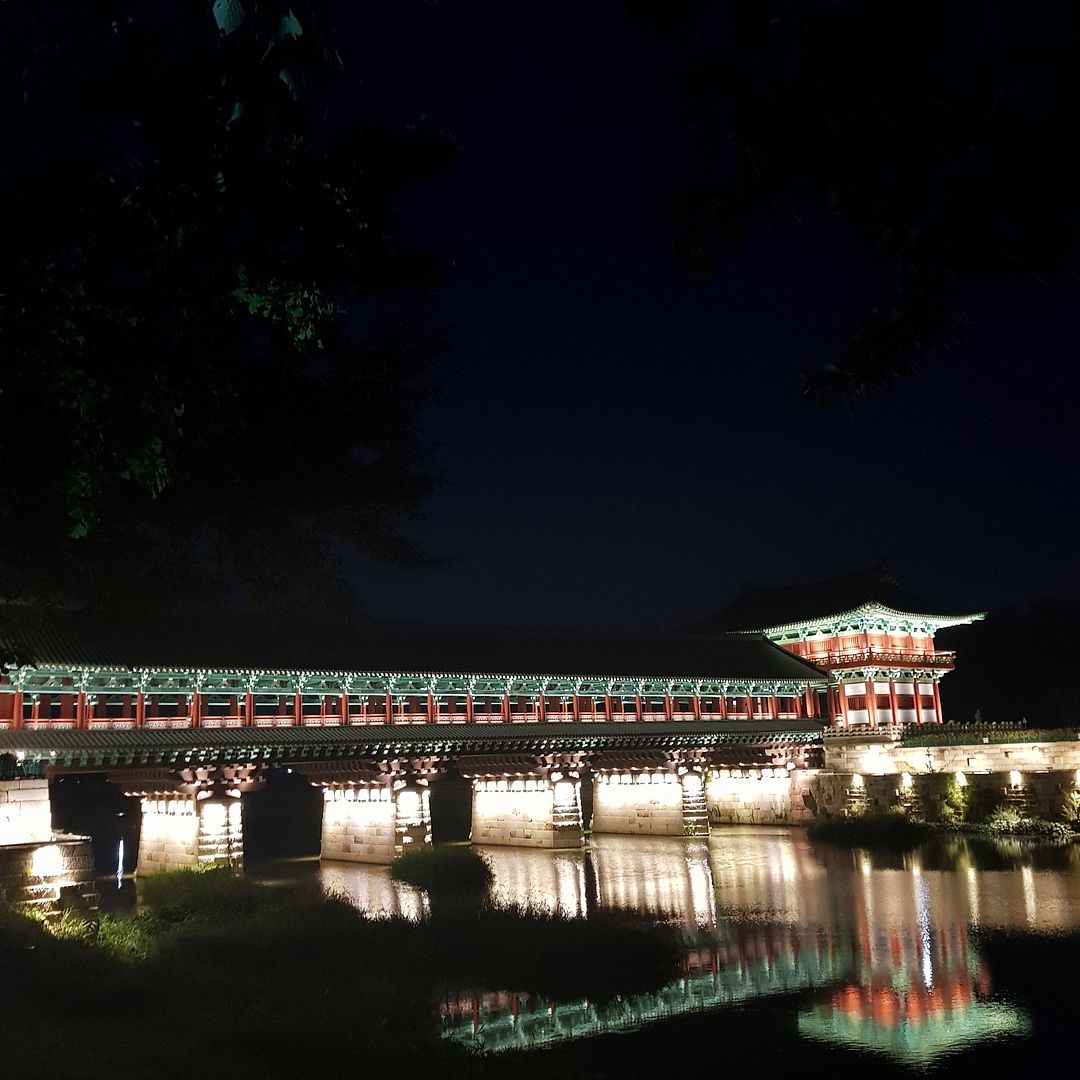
x: 939, y: 622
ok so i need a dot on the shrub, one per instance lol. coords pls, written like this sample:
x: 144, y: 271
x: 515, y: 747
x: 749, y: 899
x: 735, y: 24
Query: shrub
x: 1003, y: 821
x: 889, y: 830
x: 444, y: 871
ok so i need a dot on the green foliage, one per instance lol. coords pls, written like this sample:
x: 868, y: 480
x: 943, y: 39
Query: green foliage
x: 200, y: 893
x: 300, y: 979
x: 449, y: 871
x: 885, y: 830
x: 1004, y: 820
x: 1009, y: 822
x: 201, y: 387
x: 951, y: 809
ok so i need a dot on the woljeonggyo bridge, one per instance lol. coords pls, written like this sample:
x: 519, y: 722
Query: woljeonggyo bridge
x: 670, y: 730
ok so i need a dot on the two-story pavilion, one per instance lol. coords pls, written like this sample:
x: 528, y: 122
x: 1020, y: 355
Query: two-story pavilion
x: 873, y: 638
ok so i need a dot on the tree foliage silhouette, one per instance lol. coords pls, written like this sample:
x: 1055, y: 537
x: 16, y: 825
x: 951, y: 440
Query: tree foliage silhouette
x: 211, y: 358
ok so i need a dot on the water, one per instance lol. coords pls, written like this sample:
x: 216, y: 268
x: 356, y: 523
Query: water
x: 875, y: 953
x: 956, y: 956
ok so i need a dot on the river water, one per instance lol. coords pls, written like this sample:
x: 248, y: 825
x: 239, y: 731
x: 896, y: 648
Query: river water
x: 960, y: 956
x: 881, y: 954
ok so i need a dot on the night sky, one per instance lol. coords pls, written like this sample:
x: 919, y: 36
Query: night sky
x: 621, y: 448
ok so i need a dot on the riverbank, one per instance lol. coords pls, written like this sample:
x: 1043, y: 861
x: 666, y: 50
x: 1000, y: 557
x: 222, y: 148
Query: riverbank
x: 895, y: 830
x: 288, y: 981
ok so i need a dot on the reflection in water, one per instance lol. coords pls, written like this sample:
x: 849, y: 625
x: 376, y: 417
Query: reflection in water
x: 883, y: 938
x: 371, y: 890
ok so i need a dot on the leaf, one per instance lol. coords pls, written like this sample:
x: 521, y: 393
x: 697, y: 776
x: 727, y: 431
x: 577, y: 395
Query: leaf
x: 229, y: 15
x: 289, y: 26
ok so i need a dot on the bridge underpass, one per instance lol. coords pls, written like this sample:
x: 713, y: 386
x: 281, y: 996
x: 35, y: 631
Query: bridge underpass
x: 527, y: 781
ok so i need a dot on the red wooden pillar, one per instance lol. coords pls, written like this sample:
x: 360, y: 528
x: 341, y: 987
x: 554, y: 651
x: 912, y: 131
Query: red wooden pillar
x: 892, y: 701
x: 937, y: 701
x: 750, y: 706
x: 575, y: 708
x: 669, y: 707
x: 140, y: 709
x: 344, y: 708
x: 637, y: 703
x: 196, y: 708
x: 506, y: 708
x: 836, y: 715
x: 723, y: 706
x: 799, y: 706
x: 298, y: 710
x: 390, y: 708
x: 17, y: 711
x: 695, y: 705
x: 80, y: 710
x: 468, y: 709
x: 774, y: 707
x: 917, y: 698
x: 431, y: 708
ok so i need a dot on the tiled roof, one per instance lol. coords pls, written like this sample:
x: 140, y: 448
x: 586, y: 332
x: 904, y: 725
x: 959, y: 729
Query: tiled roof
x: 227, y: 641
x: 762, y: 609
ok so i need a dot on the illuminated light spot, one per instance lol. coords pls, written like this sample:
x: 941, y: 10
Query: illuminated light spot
x: 565, y: 793
x: 905, y: 780
x: 1015, y: 778
x: 856, y: 780
x: 961, y: 780
x: 47, y: 862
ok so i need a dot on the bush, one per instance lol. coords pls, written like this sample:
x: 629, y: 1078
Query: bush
x: 891, y: 830
x: 444, y: 871
x: 1003, y: 821
x: 952, y: 809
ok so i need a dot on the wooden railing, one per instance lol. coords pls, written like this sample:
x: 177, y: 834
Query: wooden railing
x: 884, y: 658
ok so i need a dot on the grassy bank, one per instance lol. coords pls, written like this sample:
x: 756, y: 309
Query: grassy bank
x: 898, y: 831
x: 287, y: 982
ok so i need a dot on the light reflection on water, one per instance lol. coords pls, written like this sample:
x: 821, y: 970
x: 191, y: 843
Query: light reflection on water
x: 881, y: 940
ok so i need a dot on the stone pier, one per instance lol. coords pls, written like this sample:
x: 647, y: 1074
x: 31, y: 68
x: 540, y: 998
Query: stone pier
x: 761, y: 796
x: 180, y: 831
x: 525, y: 800
x: 660, y: 802
x: 190, y: 817
x: 374, y: 822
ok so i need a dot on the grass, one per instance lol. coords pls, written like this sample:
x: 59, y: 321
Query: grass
x: 902, y: 833
x: 293, y: 981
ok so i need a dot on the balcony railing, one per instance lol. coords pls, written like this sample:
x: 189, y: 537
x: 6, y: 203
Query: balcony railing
x: 881, y: 658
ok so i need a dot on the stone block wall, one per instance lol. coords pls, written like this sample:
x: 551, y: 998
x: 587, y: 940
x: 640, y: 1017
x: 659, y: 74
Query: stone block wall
x: 863, y: 755
x: 359, y: 829
x: 373, y: 823
x: 642, y: 803
x: 179, y: 832
x: 49, y: 875
x: 25, y: 811
x: 524, y: 813
x: 754, y: 800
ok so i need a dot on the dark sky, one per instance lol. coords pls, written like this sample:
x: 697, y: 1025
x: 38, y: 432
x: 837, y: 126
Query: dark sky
x: 621, y: 448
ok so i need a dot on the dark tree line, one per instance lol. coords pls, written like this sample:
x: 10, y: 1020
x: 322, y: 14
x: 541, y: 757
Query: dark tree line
x: 210, y: 364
